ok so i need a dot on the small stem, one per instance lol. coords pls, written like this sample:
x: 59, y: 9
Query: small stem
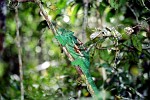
x: 103, y: 73
x: 19, y: 53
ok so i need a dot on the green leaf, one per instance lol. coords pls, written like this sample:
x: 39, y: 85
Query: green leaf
x: 106, y: 66
x: 102, y: 8
x: 136, y: 42
x: 43, y: 24
x: 74, y: 13
x: 114, y: 4
x: 104, y: 55
x: 117, y: 3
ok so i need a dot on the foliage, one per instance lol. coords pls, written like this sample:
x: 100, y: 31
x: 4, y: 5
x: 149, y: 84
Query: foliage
x: 118, y: 44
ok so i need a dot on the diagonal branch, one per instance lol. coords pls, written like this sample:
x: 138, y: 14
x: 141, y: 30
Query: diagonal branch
x: 50, y: 25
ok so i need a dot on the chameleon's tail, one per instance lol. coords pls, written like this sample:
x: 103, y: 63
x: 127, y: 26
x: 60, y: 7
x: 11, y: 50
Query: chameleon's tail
x: 91, y: 84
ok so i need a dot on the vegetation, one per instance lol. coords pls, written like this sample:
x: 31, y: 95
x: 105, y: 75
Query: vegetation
x: 38, y: 64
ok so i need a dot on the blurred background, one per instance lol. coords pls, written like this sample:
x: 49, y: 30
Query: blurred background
x: 117, y: 32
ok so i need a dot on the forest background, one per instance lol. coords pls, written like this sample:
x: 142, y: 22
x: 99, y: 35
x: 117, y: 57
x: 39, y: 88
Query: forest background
x: 34, y: 67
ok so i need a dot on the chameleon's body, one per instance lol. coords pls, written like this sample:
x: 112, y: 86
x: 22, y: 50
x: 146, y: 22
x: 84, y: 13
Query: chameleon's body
x: 78, y: 52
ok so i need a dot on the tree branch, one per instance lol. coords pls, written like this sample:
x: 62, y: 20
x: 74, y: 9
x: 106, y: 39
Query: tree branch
x: 19, y: 53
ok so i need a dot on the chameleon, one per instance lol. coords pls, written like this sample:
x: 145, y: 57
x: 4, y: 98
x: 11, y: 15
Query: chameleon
x: 81, y: 57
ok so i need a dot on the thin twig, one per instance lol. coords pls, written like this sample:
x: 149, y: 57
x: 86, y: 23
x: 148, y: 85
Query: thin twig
x: 145, y: 6
x: 136, y: 16
x: 19, y: 53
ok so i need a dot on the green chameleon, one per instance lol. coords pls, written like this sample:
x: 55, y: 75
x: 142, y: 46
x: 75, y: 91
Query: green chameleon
x: 78, y: 52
